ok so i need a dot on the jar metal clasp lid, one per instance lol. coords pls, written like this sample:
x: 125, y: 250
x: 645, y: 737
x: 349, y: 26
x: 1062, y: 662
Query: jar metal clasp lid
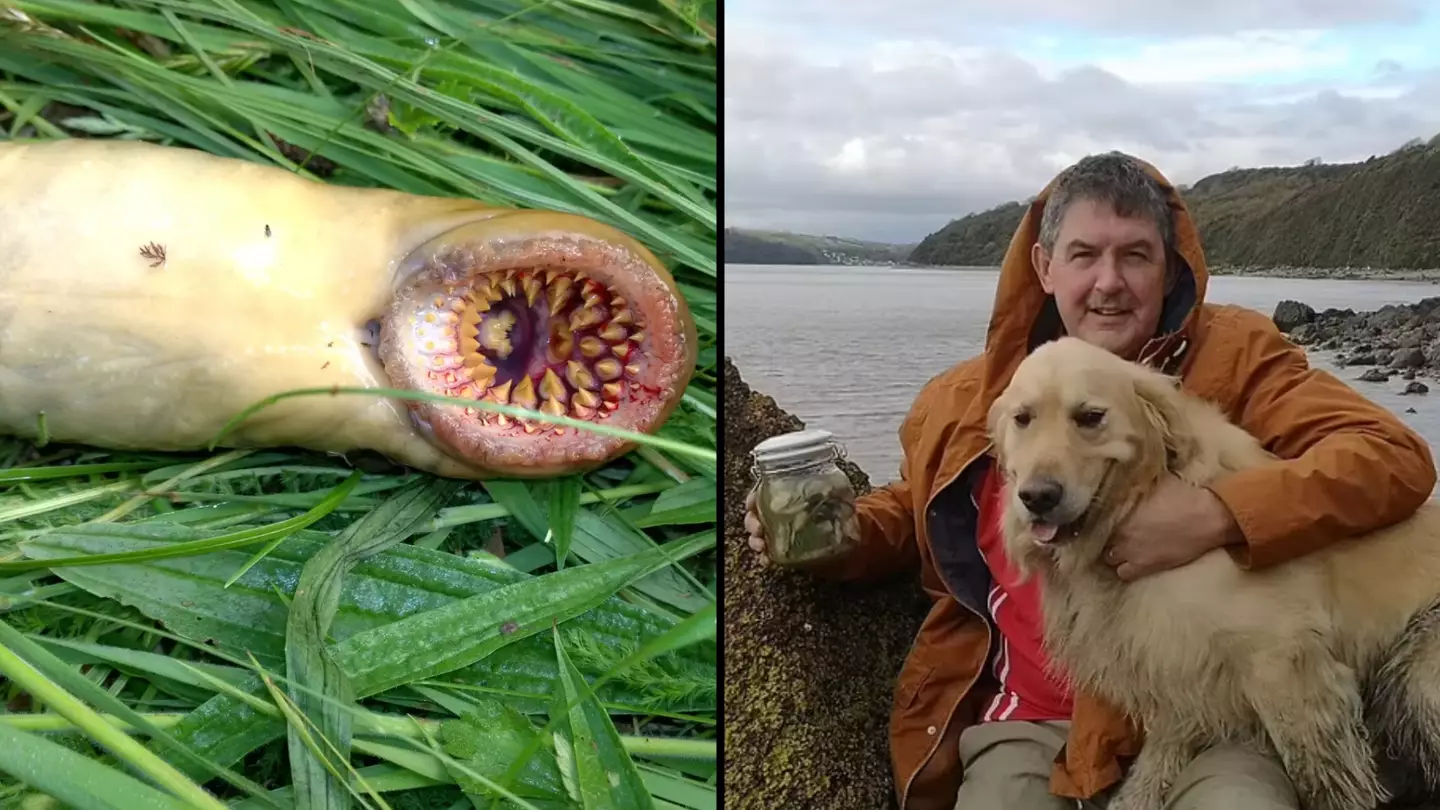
x: 797, y: 447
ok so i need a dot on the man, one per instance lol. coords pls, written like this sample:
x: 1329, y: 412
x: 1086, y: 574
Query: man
x: 1108, y: 253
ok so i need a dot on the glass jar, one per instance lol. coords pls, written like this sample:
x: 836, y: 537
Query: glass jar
x: 804, y: 500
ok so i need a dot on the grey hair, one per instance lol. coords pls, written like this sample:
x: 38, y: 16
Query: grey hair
x: 1114, y: 178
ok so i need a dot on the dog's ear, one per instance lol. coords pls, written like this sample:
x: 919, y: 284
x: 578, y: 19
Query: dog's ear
x: 1160, y: 400
x: 995, y: 422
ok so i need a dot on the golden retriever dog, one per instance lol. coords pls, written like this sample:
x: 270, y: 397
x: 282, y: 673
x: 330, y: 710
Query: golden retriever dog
x: 1331, y: 661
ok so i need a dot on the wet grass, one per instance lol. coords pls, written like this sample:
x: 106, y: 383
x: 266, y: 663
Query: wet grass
x: 275, y: 628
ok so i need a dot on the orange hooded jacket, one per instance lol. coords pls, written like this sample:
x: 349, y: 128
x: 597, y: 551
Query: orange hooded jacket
x: 1349, y: 466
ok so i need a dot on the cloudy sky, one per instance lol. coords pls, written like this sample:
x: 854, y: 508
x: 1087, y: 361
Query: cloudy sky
x: 887, y: 120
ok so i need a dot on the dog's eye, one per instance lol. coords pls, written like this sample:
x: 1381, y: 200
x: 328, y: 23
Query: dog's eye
x: 1088, y: 418
x: 1022, y: 418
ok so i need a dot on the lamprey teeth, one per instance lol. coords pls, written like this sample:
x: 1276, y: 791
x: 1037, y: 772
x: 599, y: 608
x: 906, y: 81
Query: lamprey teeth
x: 482, y: 372
x: 562, y: 341
x: 558, y: 293
x: 500, y: 394
x: 495, y: 333
x: 524, y: 394
x: 551, y: 387
x: 592, y: 347
x: 579, y: 377
x: 548, y: 340
x: 609, y: 369
x: 586, y: 318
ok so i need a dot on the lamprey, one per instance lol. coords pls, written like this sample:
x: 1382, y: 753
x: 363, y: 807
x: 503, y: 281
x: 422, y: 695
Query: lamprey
x: 149, y: 294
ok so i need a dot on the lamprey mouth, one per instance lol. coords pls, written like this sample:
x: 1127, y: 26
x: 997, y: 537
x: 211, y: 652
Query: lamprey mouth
x: 566, y: 324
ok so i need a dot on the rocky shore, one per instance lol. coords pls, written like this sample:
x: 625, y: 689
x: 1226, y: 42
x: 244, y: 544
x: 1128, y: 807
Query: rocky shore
x: 1398, y: 341
x: 1431, y: 275
x: 810, y: 666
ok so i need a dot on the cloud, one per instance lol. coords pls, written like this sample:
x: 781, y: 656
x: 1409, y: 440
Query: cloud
x: 1240, y: 55
x: 961, y: 18
x: 890, y: 141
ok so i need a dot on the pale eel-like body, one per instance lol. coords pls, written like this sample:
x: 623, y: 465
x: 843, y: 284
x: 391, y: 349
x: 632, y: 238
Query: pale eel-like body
x: 149, y: 294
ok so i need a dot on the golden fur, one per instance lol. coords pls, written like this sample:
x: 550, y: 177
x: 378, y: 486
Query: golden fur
x: 1281, y: 658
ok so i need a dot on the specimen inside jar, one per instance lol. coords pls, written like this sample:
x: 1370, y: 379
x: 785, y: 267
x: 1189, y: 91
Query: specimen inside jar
x: 808, y: 517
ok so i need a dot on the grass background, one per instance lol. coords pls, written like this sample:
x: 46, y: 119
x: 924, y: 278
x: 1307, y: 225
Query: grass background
x: 284, y: 630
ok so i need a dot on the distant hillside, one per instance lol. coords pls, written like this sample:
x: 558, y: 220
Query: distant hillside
x: 1379, y: 213
x: 780, y: 247
x: 978, y: 240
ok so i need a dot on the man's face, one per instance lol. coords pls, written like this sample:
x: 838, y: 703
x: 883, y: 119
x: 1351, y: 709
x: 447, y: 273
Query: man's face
x: 1107, y: 275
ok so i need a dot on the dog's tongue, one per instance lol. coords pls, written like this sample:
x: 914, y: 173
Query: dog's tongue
x: 1044, y: 532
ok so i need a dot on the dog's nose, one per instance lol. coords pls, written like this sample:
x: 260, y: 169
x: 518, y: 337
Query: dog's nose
x: 1042, y: 495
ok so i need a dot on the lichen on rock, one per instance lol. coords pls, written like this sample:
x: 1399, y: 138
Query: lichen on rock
x: 810, y: 665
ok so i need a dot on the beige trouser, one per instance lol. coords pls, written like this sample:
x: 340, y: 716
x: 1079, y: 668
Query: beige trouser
x: 1008, y: 764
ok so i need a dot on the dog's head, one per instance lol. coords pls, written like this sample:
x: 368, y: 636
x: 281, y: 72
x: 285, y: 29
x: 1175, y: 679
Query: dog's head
x: 1081, y: 435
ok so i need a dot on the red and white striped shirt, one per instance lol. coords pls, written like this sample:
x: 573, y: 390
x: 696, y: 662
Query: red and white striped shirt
x: 1027, y: 692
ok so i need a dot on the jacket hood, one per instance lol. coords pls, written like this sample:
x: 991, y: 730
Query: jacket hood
x: 1024, y: 315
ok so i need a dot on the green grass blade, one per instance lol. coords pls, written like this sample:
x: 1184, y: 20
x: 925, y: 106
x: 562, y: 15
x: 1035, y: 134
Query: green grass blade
x: 51, y: 667
x: 596, y: 768
x: 701, y: 453
x: 187, y: 594
x: 15, y: 474
x: 76, y: 779
x: 27, y: 677
x: 434, y: 642
x: 487, y: 739
x: 237, y: 539
x: 692, y: 502
x: 308, y: 662
x: 441, y: 640
x: 564, y: 504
